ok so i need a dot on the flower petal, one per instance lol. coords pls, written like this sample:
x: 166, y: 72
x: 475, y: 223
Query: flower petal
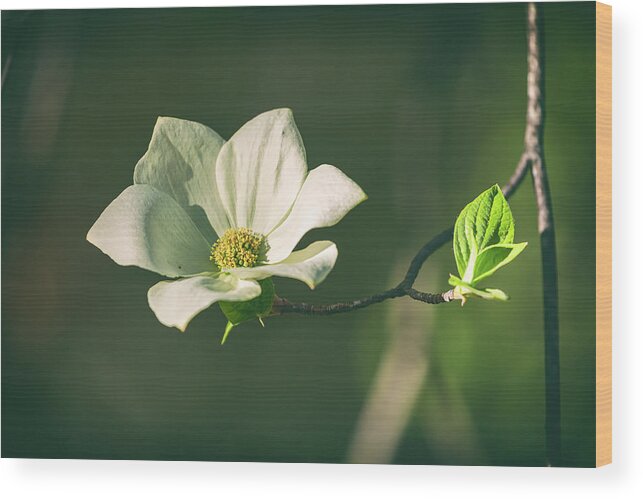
x: 325, y: 198
x: 180, y: 161
x: 310, y: 265
x: 145, y: 227
x: 176, y: 303
x: 260, y: 171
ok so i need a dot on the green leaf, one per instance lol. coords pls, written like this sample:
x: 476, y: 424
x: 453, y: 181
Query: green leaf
x: 241, y: 311
x: 494, y: 257
x: 463, y: 289
x: 483, y: 236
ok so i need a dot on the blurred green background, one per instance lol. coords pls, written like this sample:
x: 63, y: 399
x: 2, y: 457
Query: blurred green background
x: 424, y: 106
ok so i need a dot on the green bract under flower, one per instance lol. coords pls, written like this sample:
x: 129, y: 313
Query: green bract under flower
x: 237, y: 248
x: 253, y: 194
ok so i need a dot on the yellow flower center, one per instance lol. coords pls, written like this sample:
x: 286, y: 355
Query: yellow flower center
x: 237, y: 248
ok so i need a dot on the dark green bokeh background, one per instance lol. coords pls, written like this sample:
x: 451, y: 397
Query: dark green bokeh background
x: 424, y: 106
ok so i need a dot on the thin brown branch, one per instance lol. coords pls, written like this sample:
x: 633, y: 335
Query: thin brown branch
x: 534, y: 149
x: 425, y: 252
x: 283, y: 306
x: 518, y: 175
x: 405, y: 287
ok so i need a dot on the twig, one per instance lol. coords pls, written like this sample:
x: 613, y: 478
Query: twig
x: 283, y: 306
x: 534, y: 151
x: 405, y: 288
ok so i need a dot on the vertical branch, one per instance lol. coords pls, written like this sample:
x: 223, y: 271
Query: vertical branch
x: 532, y: 159
x: 534, y: 151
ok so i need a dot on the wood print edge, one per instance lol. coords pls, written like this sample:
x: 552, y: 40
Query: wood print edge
x: 603, y: 234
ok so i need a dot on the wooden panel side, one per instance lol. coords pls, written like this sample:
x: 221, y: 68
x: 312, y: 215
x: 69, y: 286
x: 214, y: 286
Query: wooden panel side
x: 603, y: 234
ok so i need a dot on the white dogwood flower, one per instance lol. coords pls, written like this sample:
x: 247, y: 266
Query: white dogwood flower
x: 217, y: 216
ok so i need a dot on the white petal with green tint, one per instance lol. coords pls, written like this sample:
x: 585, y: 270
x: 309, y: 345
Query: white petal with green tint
x: 310, y: 265
x: 180, y: 161
x: 147, y: 228
x: 176, y: 303
x: 325, y: 198
x: 260, y: 171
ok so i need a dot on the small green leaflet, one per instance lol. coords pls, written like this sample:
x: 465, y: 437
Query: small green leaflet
x: 241, y: 311
x: 465, y: 289
x: 483, y: 242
